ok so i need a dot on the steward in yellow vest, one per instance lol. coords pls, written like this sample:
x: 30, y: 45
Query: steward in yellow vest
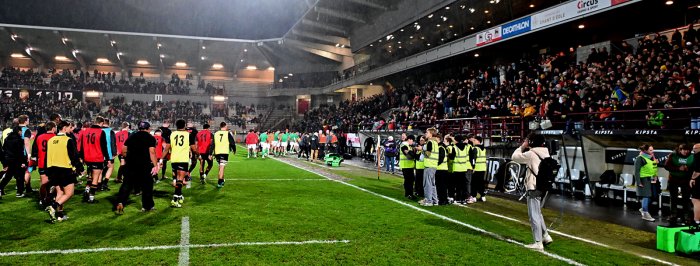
x: 407, y: 162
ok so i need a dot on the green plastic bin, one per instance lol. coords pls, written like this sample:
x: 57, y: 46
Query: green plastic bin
x: 666, y: 237
x: 688, y: 241
x: 333, y: 159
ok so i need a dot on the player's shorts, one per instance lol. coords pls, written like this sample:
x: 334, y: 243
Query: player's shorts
x: 61, y: 177
x: 204, y: 156
x: 275, y: 144
x: 179, y: 166
x: 222, y: 158
x: 95, y: 166
x: 265, y: 145
x: 121, y: 157
x: 252, y: 146
x: 42, y: 171
x: 284, y: 144
x: 294, y: 144
x: 30, y: 169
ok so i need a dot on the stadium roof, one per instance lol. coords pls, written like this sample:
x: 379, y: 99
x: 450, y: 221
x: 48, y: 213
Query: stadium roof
x: 233, y: 19
x: 235, y: 33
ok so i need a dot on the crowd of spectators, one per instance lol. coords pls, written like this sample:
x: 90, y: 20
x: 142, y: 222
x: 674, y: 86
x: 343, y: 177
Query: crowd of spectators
x: 78, y: 80
x: 41, y: 107
x: 118, y: 110
x: 658, y: 74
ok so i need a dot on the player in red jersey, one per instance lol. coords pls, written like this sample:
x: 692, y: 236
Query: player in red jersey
x: 121, y: 136
x: 39, y: 157
x: 251, y: 141
x: 94, y: 154
x: 158, y: 134
x: 205, y: 147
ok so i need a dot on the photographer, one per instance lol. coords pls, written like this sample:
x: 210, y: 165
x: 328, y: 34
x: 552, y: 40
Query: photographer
x: 531, y: 153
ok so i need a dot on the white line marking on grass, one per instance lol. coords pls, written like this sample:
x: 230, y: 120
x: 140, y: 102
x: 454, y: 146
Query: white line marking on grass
x: 92, y: 250
x: 184, y: 258
x: 270, y: 243
x: 494, y: 235
x: 276, y: 179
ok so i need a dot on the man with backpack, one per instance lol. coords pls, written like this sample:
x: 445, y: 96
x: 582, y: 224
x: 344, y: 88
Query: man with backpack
x: 535, y: 155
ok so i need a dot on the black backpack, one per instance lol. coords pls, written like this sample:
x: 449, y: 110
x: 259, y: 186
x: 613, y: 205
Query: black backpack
x: 548, y: 171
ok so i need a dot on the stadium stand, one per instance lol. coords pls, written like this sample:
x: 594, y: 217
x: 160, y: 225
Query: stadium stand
x: 657, y: 75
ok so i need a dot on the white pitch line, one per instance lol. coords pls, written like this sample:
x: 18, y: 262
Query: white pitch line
x: 92, y: 250
x: 276, y: 179
x: 184, y: 258
x: 494, y: 235
x: 270, y: 243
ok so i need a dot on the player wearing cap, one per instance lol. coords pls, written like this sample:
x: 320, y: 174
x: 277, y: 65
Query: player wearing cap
x: 179, y: 145
x: 139, y: 152
x: 205, y: 146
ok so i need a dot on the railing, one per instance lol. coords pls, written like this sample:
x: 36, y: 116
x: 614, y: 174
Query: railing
x: 673, y: 118
x: 497, y: 128
x: 517, y: 127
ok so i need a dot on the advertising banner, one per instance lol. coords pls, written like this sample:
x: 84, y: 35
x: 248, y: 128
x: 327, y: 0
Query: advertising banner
x: 354, y: 140
x: 26, y: 94
x: 515, y: 28
x: 567, y: 11
x: 488, y: 36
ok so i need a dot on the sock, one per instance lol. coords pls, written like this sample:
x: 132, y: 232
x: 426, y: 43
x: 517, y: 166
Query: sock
x: 165, y: 169
x: 93, y: 188
x: 178, y: 188
x: 221, y: 181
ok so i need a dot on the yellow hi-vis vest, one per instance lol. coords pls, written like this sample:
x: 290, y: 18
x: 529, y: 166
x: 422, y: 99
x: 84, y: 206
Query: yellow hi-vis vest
x: 650, y: 169
x: 180, y: 147
x: 461, y: 163
x: 443, y: 165
x: 432, y: 160
x: 420, y: 164
x: 480, y: 165
x: 57, y: 152
x: 404, y: 162
x: 221, y: 144
x: 450, y: 162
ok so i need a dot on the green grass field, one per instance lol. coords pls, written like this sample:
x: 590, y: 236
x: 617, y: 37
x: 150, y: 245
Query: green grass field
x: 272, y: 213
